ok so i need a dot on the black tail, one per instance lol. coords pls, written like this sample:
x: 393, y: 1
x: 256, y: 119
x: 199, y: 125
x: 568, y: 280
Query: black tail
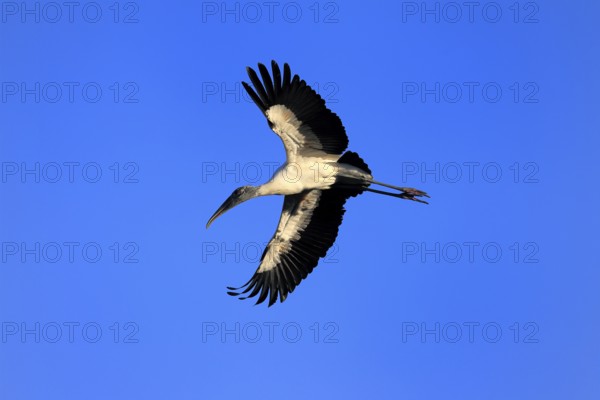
x: 352, y: 186
x: 354, y: 159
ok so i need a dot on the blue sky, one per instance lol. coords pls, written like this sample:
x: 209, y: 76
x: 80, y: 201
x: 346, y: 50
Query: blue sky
x: 124, y: 126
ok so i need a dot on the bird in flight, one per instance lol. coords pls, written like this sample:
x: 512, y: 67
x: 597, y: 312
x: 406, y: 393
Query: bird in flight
x: 316, y: 180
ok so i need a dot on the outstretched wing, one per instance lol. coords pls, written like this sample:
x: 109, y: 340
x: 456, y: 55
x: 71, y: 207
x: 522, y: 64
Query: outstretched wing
x: 307, y: 228
x: 296, y: 113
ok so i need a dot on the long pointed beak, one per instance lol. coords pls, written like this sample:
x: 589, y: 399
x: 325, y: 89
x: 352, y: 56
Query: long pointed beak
x: 228, y: 204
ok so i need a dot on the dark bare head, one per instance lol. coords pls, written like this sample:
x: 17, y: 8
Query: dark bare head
x: 238, y: 196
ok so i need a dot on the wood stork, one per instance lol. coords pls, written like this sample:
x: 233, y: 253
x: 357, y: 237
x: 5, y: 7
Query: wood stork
x: 316, y: 180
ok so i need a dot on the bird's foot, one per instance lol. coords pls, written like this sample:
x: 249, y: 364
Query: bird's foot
x: 413, y: 194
